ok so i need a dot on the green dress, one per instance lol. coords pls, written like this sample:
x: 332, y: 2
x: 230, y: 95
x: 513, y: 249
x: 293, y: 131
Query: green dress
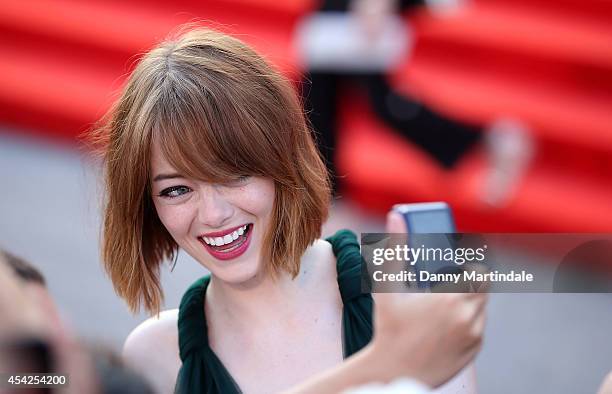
x: 203, y: 372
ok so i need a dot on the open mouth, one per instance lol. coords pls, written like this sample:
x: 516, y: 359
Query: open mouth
x: 229, y: 246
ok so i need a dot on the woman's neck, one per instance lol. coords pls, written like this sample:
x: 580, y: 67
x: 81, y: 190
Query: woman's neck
x: 264, y: 297
x: 260, y: 298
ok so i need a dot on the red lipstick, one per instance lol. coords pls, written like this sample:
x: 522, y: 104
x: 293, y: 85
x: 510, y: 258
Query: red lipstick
x: 232, y: 250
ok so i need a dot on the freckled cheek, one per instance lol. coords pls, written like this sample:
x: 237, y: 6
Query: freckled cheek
x: 256, y: 202
x: 176, y: 219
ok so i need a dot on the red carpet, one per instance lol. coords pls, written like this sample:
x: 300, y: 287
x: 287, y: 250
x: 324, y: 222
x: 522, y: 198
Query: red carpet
x: 548, y: 63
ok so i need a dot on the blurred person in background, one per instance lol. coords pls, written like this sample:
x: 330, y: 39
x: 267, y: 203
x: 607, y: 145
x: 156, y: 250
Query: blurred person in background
x: 28, y: 340
x: 33, y: 339
x: 358, y: 41
x: 21, y: 315
x: 35, y: 287
x: 208, y: 150
x: 113, y: 376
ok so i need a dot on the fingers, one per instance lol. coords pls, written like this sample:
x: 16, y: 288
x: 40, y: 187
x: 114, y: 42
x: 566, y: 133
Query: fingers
x: 480, y: 286
x: 398, y: 239
x: 395, y: 223
x: 474, y: 305
x: 467, y: 316
x: 480, y: 322
x: 474, y: 330
x: 446, y: 329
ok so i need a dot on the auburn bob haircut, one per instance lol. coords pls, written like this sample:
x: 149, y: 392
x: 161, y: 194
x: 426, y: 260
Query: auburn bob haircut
x: 218, y: 110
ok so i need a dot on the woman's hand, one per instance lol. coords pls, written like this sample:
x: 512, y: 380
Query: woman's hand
x: 430, y: 337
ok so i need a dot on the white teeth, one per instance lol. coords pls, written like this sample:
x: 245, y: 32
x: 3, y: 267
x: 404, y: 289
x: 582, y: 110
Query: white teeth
x: 228, y: 238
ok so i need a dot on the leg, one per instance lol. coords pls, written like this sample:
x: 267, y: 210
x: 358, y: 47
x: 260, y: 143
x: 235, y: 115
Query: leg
x: 320, y: 101
x: 445, y: 140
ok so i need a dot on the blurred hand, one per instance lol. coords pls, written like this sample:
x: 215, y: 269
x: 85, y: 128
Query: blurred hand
x: 395, y: 223
x: 372, y: 14
x: 430, y: 337
x: 445, y: 7
x: 510, y: 149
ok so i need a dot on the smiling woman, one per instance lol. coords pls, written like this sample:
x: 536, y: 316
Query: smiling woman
x: 205, y: 109
x: 215, y: 222
x: 208, y: 150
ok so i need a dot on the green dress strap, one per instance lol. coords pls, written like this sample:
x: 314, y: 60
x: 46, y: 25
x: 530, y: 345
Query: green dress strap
x: 357, y: 310
x: 203, y: 372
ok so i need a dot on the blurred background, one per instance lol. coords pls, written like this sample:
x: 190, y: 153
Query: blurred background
x: 545, y: 64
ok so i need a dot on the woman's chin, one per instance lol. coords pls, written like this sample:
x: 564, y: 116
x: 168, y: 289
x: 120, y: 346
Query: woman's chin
x: 238, y: 274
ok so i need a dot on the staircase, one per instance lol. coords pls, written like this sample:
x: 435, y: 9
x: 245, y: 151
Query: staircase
x: 549, y: 63
x: 64, y: 61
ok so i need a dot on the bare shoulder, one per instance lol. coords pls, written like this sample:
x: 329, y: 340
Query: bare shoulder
x: 152, y: 349
x: 318, y: 269
x: 160, y: 331
x: 320, y: 257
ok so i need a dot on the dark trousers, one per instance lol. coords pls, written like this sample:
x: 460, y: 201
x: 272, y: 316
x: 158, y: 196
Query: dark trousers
x: 444, y: 140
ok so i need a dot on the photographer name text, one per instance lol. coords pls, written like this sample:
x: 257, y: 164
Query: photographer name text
x: 457, y: 277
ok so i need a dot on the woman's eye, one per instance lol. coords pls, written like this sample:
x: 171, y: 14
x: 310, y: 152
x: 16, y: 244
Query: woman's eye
x: 174, y: 191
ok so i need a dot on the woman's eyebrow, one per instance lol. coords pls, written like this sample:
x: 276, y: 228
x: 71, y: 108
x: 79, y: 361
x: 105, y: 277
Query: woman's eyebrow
x: 161, y: 177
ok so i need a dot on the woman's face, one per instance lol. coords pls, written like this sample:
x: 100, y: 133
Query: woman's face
x: 220, y: 225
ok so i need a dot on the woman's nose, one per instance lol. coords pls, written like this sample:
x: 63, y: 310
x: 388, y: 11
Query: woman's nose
x: 213, y: 209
